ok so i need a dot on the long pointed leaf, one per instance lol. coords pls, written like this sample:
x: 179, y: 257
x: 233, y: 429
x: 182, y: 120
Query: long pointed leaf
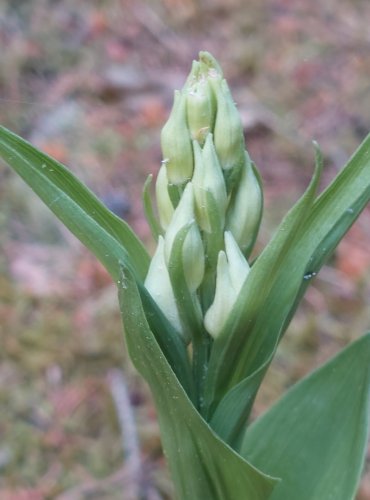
x: 106, y: 235
x: 262, y: 313
x: 333, y: 213
x: 251, y: 331
x: 315, y: 437
x: 202, y: 466
x: 229, y: 419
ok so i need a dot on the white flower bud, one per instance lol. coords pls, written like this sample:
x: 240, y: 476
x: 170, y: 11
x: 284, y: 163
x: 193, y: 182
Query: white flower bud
x: 200, y: 109
x: 164, y: 203
x: 158, y: 284
x: 238, y: 264
x: 193, y: 75
x: 245, y: 209
x: 209, y: 63
x: 228, y: 134
x: 223, y: 301
x: 208, y: 178
x: 192, y: 252
x: 176, y: 144
x: 232, y: 271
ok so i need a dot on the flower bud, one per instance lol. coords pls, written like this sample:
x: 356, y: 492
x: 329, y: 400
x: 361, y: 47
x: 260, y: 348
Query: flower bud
x: 206, y: 66
x: 208, y: 179
x: 232, y: 271
x: 238, y: 264
x: 176, y: 144
x: 193, y: 75
x: 192, y: 252
x: 158, y: 284
x: 164, y: 203
x: 223, y: 301
x: 228, y: 134
x: 245, y: 209
x: 209, y: 64
x: 200, y: 109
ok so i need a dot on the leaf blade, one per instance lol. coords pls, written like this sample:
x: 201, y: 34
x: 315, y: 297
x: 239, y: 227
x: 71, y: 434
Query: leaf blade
x: 270, y: 287
x: 317, y: 429
x: 326, y: 221
x: 107, y: 236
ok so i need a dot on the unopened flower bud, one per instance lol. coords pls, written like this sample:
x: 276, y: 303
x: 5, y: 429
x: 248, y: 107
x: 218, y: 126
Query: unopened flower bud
x: 200, y: 109
x: 228, y: 130
x: 193, y: 75
x: 245, y: 209
x: 208, y: 179
x: 232, y: 271
x: 176, y: 144
x: 218, y: 312
x: 238, y: 264
x: 159, y: 286
x: 164, y: 203
x: 192, y: 252
x: 209, y: 64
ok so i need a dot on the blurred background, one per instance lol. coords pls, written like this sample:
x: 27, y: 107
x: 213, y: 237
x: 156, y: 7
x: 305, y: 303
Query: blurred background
x: 91, y: 83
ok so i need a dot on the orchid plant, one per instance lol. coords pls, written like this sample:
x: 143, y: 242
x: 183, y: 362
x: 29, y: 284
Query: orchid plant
x: 203, y: 319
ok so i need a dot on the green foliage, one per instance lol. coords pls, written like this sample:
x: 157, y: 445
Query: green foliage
x: 315, y: 437
x: 105, y: 234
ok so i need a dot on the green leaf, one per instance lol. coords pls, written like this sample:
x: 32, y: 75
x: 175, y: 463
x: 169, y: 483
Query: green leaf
x: 278, y: 279
x: 169, y: 342
x: 250, y: 334
x: 187, y: 302
x: 190, y: 313
x: 106, y: 235
x: 315, y: 437
x: 229, y: 419
x: 202, y: 466
x: 148, y: 209
x: 333, y: 213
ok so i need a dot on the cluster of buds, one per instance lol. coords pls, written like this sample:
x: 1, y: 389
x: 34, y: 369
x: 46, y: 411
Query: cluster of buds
x: 207, y: 190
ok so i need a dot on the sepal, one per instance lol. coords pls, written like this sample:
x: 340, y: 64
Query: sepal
x: 158, y: 284
x: 245, y: 210
x: 193, y: 251
x: 232, y: 271
x: 176, y: 144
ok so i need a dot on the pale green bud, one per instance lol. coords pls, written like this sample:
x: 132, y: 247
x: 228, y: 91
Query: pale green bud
x: 228, y: 130
x: 208, y: 63
x: 218, y: 312
x: 176, y: 144
x: 158, y: 284
x: 238, y: 264
x: 193, y: 75
x: 164, y: 203
x: 200, y: 107
x: 245, y: 209
x: 208, y: 178
x: 232, y: 271
x: 192, y: 252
